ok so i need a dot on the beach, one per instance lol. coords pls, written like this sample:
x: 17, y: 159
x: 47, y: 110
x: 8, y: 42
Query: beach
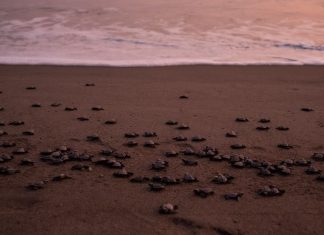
x: 142, y: 99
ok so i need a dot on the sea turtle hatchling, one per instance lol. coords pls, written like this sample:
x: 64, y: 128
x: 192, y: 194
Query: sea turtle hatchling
x: 188, y: 178
x: 302, y: 162
x: 203, y: 192
x: 283, y: 170
x: 26, y: 162
x: 241, y: 119
x: 238, y: 146
x: 131, y: 135
x: 233, y: 196
x: 56, y: 104
x: 270, y: 191
x: 20, y: 150
x: 168, y: 208
x: 97, y: 108
x: 265, y: 172
x: 30, y: 88
x: 131, y: 143
x: 36, y: 105
x: 89, y: 84
x: 231, y: 134
x: 180, y: 138
x: 190, y: 162
x: 61, y: 177
x: 320, y: 178
x: 16, y: 123
x: 7, y: 144
x: 311, y: 170
x: 111, y: 122
x: 121, y: 155
x: 188, y: 152
x: 318, y: 156
x: 222, y: 179
x: 83, y: 118
x: 93, y: 138
x: 198, y: 138
x: 5, y: 158
x: 81, y: 167
x: 4, y: 170
x: 171, y: 153
x: 171, y: 122
x: 159, y: 165
x: 264, y: 120
x: 140, y: 179
x: 288, y: 162
x: 307, y: 109
x: 183, y: 127
x: 262, y: 128
x: 71, y: 108
x: 183, y: 97
x: 282, y: 128
x: 28, y: 132
x: 2, y: 133
x: 36, y: 185
x: 285, y: 146
x: 122, y: 174
x: 149, y: 134
x: 2, y: 123
x: 150, y: 144
x: 156, y: 187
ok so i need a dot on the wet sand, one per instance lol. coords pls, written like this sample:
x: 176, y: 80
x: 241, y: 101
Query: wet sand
x: 143, y: 99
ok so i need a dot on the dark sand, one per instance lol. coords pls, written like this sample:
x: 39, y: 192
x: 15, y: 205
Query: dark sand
x: 142, y: 99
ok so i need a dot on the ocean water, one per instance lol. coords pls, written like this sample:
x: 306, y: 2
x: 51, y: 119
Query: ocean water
x: 161, y: 32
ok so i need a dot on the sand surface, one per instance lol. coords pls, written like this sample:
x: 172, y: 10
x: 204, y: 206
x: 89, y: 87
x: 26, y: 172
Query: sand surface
x: 142, y: 99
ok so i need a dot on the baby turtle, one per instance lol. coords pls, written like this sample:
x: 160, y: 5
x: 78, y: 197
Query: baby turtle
x: 222, y: 179
x: 207, y: 152
x: 131, y: 135
x: 28, y: 132
x: 270, y: 191
x: 36, y: 185
x: 114, y: 164
x: 150, y: 144
x: 27, y: 162
x: 285, y: 146
x: 171, y: 122
x: 238, y: 164
x: 283, y: 170
x: 264, y: 120
x: 282, y: 128
x: 97, y: 108
x: 302, y: 162
x: 140, y: 179
x: 311, y: 170
x: 183, y: 127
x: 262, y: 128
x: 203, y: 192
x: 307, y: 109
x: 187, y: 178
x: 122, y: 174
x: 238, y: 146
x: 231, y: 134
x: 5, y: 158
x: 61, y: 177
x: 16, y: 123
x: 81, y: 167
x: 107, y: 152
x: 190, y: 162
x: 7, y: 144
x: 2, y: 108
x: 159, y: 165
x: 171, y: 153
x: 111, y: 122
x: 149, y: 134
x: 83, y: 118
x: 156, y: 187
x: 168, y: 208
x: 20, y: 151
x: 36, y: 105
x: 198, y: 138
x: 70, y: 108
x: 93, y: 138
x: 55, y: 104
x: 320, y: 178
x: 241, y: 119
x: 180, y: 138
x: 318, y: 156
x: 8, y: 170
x: 31, y: 88
x: 166, y: 180
x: 2, y: 123
x: 233, y: 196
x: 2, y: 133
x: 122, y: 156
x: 264, y: 171
x: 183, y: 97
x: 188, y: 152
x: 288, y: 162
x: 216, y: 158
x: 89, y: 84
x: 131, y: 143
